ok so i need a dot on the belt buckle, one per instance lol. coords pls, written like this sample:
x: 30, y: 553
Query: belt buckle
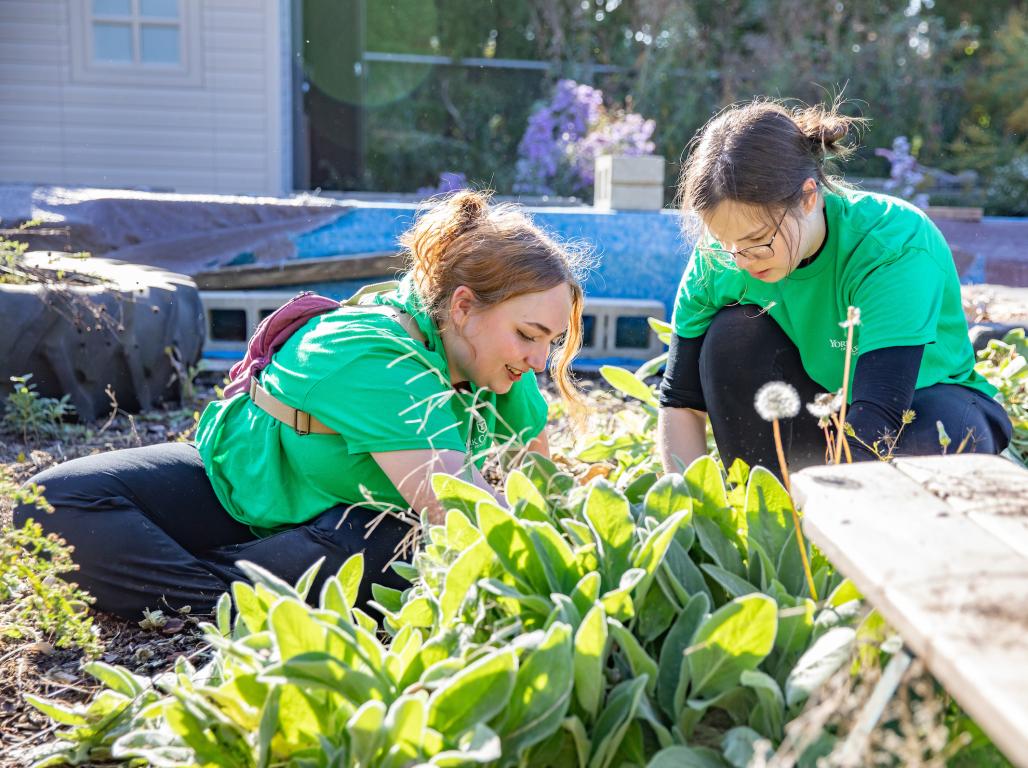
x: 296, y: 422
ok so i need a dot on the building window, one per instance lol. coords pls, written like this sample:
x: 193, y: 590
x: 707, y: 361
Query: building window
x: 136, y: 40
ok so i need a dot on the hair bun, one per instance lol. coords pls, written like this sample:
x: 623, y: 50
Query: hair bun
x: 468, y: 207
x: 829, y: 132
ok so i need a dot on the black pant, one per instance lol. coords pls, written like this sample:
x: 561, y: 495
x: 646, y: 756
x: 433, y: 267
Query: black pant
x: 148, y: 529
x: 743, y: 350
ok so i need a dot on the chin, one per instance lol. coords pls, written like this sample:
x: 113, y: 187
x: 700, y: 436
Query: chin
x: 502, y: 387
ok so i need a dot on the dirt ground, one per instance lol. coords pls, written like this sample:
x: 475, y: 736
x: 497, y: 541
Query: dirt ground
x: 35, y: 666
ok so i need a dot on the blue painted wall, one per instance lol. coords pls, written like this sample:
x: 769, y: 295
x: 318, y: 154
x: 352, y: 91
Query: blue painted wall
x: 638, y: 254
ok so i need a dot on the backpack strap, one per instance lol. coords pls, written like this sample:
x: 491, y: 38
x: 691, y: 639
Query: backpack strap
x: 301, y: 421
x: 370, y: 290
x: 305, y: 423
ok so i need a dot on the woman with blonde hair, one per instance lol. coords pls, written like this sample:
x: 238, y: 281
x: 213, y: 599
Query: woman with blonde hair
x: 784, y: 250
x: 330, y: 448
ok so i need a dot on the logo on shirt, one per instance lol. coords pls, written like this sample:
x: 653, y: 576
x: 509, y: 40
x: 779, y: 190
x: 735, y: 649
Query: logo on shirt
x: 841, y: 345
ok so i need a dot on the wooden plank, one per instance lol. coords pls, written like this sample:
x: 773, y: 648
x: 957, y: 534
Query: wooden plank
x: 300, y: 271
x: 955, y: 590
x: 986, y: 491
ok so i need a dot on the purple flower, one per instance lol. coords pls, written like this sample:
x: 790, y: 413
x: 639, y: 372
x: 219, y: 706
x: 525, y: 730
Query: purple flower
x: 564, y: 137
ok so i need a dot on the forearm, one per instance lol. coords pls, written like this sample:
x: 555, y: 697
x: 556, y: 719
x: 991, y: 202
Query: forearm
x: 681, y: 437
x: 411, y: 473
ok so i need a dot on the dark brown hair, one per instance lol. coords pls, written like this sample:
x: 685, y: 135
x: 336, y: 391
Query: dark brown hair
x: 760, y: 154
x: 497, y: 252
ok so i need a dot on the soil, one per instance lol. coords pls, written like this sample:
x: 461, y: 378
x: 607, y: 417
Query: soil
x: 35, y: 666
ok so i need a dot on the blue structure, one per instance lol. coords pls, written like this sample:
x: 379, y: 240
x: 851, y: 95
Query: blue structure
x: 637, y: 254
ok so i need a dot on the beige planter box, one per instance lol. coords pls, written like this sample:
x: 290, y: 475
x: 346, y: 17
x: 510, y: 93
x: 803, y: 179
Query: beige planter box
x: 954, y: 213
x: 629, y: 183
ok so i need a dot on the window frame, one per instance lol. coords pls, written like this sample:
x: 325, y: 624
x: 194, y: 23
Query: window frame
x: 86, y: 69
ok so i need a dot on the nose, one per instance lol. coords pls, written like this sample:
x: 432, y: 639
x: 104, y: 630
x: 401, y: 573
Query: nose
x: 741, y: 259
x: 536, y: 359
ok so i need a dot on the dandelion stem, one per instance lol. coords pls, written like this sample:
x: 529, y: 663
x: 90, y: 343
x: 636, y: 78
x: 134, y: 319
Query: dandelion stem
x: 830, y: 452
x: 792, y: 508
x: 850, y: 322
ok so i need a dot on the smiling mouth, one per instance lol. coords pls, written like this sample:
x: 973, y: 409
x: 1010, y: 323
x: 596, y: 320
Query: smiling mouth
x: 761, y: 273
x: 514, y: 373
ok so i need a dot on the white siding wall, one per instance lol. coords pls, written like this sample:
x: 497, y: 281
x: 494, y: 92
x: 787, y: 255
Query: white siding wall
x: 225, y: 135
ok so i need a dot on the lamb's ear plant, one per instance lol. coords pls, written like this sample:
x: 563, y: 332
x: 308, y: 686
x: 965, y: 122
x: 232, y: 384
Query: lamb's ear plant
x: 577, y: 627
x: 633, y: 619
x: 1004, y: 364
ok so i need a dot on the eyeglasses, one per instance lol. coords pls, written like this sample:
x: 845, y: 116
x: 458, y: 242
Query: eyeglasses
x: 753, y: 252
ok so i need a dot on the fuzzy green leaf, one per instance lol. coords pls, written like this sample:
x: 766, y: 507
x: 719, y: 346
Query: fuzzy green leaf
x: 687, y: 757
x: 640, y: 662
x: 667, y: 496
x: 473, y: 564
x: 542, y: 692
x: 710, y: 498
x: 610, y: 518
x: 613, y: 722
x: 672, y: 664
x: 454, y: 493
x: 520, y: 488
x: 626, y: 383
x: 513, y: 546
x: 736, y: 637
x: 768, y: 716
x: 589, y: 660
x: 473, y: 695
x: 821, y: 660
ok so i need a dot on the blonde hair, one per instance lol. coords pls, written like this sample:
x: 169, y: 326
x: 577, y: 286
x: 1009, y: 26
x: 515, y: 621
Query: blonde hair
x: 497, y: 252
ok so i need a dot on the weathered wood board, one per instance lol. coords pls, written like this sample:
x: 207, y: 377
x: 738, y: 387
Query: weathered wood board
x: 299, y: 271
x: 940, y: 546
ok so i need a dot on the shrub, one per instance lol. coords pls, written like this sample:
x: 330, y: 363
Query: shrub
x: 35, y: 600
x: 1007, y: 191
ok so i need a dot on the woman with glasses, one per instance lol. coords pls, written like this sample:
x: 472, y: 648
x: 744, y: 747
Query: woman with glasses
x: 783, y: 251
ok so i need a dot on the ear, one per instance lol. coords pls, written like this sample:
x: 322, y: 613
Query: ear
x: 461, y: 303
x: 810, y: 196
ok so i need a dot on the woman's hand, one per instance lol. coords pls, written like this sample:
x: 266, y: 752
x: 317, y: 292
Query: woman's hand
x: 539, y: 444
x: 411, y: 472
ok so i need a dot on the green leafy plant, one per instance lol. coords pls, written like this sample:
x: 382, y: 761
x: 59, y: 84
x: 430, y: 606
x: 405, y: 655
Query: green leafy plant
x: 1005, y: 365
x: 575, y: 626
x: 26, y: 411
x: 35, y: 600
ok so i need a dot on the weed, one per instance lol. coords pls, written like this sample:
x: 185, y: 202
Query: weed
x: 28, y: 412
x: 35, y: 600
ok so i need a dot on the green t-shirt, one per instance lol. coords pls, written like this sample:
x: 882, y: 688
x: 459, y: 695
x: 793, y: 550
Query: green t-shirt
x: 363, y: 375
x: 880, y: 255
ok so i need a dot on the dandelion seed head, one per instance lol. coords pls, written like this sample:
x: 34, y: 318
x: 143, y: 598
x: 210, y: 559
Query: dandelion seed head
x: 777, y: 400
x: 852, y: 318
x: 824, y: 405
